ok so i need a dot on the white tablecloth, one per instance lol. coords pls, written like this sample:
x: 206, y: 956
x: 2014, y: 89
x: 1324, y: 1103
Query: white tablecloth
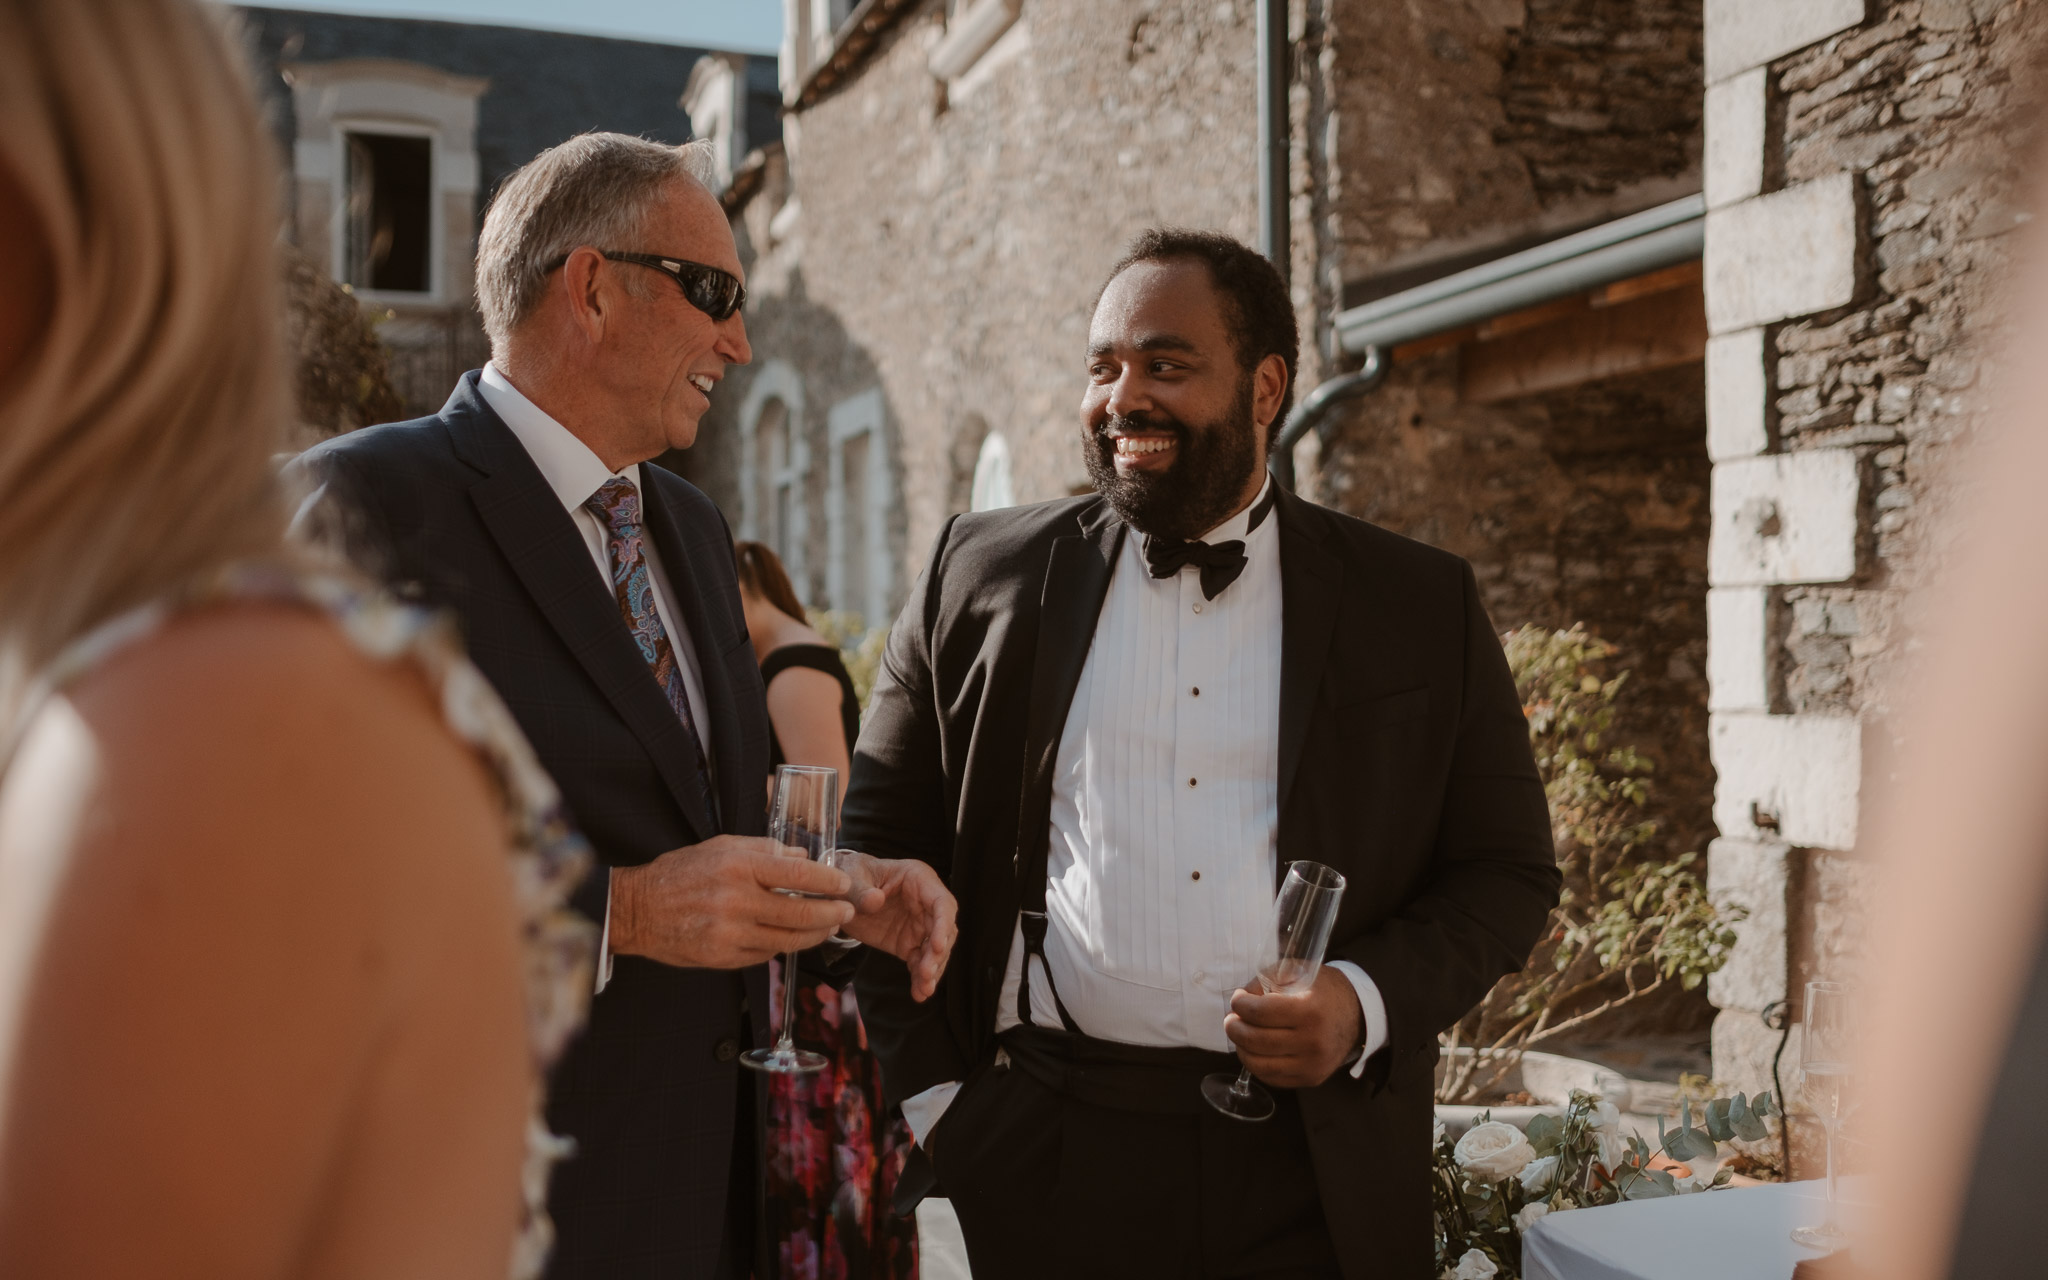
x: 1732, y: 1234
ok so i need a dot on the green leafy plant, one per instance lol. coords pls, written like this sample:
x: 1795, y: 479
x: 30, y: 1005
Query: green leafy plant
x: 860, y: 646
x: 1633, y: 920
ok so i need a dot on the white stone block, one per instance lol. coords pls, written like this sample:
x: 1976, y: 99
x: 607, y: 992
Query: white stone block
x: 1783, y: 518
x: 1805, y: 771
x: 1753, y: 876
x: 1738, y: 649
x: 1737, y: 391
x: 1733, y: 167
x: 1787, y: 254
x: 1741, y: 34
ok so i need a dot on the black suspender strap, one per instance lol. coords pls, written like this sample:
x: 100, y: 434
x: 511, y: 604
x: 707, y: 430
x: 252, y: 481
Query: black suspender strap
x: 1033, y: 924
x: 1031, y: 920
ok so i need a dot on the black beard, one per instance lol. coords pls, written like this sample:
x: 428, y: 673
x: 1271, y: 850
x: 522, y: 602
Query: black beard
x: 1212, y: 465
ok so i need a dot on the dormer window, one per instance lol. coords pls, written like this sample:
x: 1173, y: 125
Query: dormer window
x: 386, y: 163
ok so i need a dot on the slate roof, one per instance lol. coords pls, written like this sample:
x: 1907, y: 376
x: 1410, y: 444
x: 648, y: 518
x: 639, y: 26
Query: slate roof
x: 545, y: 85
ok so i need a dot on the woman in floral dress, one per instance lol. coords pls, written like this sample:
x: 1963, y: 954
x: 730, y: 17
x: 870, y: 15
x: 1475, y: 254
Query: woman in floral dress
x: 834, y: 1151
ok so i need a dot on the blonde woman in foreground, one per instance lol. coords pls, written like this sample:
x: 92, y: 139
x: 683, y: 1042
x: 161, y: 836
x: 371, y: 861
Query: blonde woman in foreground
x: 281, y: 949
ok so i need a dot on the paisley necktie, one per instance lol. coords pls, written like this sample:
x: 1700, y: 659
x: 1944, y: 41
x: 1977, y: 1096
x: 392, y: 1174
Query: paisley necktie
x: 617, y: 504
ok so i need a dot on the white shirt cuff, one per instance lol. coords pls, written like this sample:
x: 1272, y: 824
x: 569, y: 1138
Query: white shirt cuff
x: 1370, y: 1003
x: 922, y: 1111
x: 604, y: 945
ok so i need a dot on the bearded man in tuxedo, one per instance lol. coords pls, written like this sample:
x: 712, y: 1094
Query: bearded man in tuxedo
x: 1110, y: 722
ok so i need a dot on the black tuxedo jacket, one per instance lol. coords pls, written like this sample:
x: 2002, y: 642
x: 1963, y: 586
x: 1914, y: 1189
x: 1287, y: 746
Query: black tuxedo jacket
x: 1404, y: 763
x: 453, y: 512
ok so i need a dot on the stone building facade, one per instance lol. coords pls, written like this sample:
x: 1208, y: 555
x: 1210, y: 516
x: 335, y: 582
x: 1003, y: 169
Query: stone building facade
x: 1745, y: 254
x: 398, y: 130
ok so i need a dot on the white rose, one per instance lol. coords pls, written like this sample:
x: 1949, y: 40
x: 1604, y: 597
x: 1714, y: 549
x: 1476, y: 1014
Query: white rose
x: 1474, y: 1266
x: 1605, y: 1117
x: 1530, y: 1215
x: 1536, y: 1175
x: 1493, y: 1151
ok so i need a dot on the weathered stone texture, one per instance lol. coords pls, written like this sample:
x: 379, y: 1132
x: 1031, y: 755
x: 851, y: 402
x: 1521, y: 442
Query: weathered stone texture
x: 1925, y: 105
x: 1461, y: 123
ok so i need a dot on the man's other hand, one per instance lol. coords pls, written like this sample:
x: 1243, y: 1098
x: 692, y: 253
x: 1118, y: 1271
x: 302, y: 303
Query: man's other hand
x: 1296, y: 1042
x: 905, y: 910
x: 715, y: 906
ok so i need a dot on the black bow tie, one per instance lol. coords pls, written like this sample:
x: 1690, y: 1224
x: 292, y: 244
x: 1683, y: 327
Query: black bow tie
x: 1221, y: 562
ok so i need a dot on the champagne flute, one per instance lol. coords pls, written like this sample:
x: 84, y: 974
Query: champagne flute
x: 804, y: 814
x: 1303, y: 915
x: 1824, y: 1063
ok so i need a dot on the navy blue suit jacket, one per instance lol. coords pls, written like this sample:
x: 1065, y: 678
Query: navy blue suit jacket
x: 451, y: 511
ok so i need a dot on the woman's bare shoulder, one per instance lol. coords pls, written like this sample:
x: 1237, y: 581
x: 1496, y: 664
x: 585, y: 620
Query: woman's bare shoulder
x: 263, y: 723
x: 249, y: 684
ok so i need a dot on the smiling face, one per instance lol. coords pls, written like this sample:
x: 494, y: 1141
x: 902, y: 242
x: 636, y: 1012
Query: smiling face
x: 615, y: 352
x: 664, y: 356
x: 1174, y: 426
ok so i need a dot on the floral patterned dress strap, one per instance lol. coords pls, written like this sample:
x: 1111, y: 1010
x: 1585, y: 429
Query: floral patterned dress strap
x: 547, y: 857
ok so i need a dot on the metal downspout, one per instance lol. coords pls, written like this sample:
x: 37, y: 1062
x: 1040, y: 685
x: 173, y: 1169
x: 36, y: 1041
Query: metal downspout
x: 1315, y: 407
x: 1275, y: 212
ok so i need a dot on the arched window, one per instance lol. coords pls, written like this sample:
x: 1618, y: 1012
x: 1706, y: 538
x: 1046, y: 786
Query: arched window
x: 775, y: 497
x: 993, y: 487
x: 774, y: 457
x: 857, y: 508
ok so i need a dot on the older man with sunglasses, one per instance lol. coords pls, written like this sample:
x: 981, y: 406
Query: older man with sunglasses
x: 597, y: 592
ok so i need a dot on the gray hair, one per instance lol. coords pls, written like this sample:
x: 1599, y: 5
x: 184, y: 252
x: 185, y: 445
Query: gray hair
x: 596, y: 189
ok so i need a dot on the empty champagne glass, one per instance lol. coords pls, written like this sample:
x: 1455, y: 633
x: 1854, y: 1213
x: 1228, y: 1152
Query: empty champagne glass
x: 1824, y: 1063
x: 1303, y: 915
x: 804, y: 814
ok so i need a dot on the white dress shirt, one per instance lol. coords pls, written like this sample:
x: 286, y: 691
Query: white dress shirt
x: 1161, y: 865
x: 576, y: 473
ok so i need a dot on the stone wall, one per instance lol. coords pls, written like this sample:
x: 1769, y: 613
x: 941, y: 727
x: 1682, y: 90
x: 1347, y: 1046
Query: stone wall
x: 1453, y: 126
x: 1863, y: 164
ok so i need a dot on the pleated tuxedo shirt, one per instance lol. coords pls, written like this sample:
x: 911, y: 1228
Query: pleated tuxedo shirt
x: 1161, y: 866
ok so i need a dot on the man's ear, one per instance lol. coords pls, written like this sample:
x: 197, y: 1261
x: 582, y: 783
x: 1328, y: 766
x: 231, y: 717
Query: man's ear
x: 584, y: 285
x: 1269, y: 392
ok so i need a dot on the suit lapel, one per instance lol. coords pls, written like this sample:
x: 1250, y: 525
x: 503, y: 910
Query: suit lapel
x: 709, y: 624
x: 1077, y: 577
x: 553, y: 563
x: 1310, y: 580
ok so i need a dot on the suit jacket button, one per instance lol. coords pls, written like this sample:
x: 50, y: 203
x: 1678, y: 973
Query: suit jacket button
x: 726, y: 1050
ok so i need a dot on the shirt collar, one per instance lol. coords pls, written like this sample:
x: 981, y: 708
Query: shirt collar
x: 569, y: 466
x: 1234, y: 528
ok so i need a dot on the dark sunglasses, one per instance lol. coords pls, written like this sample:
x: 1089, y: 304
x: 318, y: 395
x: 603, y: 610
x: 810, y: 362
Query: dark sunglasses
x: 716, y: 293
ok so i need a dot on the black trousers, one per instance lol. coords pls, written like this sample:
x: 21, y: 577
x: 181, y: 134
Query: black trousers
x: 1077, y: 1158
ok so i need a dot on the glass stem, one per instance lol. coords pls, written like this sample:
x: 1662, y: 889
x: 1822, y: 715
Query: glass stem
x: 1834, y: 1123
x: 786, y: 1041
x: 1243, y: 1087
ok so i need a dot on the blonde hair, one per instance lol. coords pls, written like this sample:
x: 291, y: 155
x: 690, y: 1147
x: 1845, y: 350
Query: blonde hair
x: 136, y: 439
